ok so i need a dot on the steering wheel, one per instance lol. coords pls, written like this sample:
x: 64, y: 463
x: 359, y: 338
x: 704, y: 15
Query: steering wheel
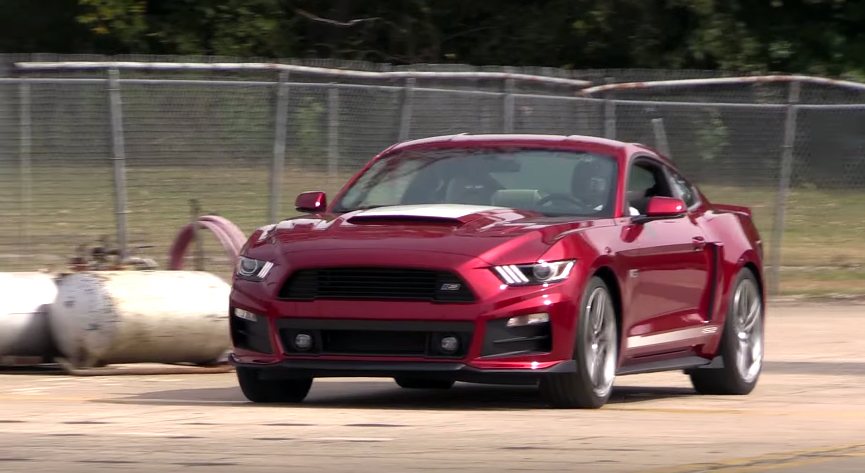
x: 561, y: 197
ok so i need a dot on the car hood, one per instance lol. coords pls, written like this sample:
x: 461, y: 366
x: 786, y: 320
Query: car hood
x: 492, y: 234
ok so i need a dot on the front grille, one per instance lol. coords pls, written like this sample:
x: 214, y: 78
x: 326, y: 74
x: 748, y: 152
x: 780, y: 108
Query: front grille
x: 374, y: 337
x: 375, y: 283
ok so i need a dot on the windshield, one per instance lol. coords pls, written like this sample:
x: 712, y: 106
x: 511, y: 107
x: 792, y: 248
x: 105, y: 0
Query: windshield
x: 550, y: 182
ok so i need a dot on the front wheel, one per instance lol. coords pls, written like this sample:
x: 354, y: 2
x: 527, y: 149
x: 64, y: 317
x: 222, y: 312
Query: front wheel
x: 271, y: 390
x: 595, y: 351
x: 741, y: 348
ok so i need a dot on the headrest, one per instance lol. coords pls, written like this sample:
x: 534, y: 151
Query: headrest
x: 516, y: 198
x: 594, y: 176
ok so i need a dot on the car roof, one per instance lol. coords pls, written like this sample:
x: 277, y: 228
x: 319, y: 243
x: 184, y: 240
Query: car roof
x: 611, y: 146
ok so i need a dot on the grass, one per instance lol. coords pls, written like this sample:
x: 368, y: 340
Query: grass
x: 816, y: 282
x: 75, y: 205
x: 822, y: 228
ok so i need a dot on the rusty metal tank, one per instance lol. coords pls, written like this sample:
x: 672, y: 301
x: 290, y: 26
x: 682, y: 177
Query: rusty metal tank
x: 25, y: 300
x: 115, y: 317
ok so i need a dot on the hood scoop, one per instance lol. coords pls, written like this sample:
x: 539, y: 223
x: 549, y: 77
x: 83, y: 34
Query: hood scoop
x: 435, y: 214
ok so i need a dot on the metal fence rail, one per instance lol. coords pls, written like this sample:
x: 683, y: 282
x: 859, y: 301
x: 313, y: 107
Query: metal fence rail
x: 93, y: 149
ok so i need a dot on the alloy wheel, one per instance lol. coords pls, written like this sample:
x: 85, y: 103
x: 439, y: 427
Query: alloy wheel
x: 600, y: 342
x: 748, y: 328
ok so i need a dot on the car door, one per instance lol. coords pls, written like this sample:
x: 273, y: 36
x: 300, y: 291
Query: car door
x: 696, y: 211
x: 671, y: 269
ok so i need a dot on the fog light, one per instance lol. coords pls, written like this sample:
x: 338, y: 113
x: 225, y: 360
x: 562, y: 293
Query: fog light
x: 528, y: 319
x: 450, y: 344
x: 302, y: 341
x: 244, y: 314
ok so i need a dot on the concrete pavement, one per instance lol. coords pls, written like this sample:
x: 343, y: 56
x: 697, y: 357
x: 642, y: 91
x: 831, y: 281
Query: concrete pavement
x: 807, y: 414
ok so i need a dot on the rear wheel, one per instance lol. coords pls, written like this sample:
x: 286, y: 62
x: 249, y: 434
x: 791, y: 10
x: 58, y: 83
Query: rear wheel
x: 595, y: 351
x: 271, y: 390
x: 415, y: 383
x: 741, y: 348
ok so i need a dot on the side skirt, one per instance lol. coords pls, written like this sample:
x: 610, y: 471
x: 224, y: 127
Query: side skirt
x: 683, y: 363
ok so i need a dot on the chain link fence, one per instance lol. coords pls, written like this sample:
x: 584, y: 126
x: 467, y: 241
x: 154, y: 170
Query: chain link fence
x: 123, y: 151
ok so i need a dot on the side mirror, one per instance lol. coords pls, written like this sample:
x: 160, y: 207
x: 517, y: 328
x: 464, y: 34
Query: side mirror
x: 312, y: 201
x: 660, y: 208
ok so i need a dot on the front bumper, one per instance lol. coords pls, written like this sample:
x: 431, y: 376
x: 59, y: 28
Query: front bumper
x: 351, y: 336
x: 485, y: 343
x: 456, y: 371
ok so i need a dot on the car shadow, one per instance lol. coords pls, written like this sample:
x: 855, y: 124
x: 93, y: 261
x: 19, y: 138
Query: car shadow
x: 387, y: 395
x: 43, y: 369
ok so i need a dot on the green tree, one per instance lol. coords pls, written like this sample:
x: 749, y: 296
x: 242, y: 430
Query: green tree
x: 809, y: 36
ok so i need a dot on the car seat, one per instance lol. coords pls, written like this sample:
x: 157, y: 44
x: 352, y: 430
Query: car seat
x: 523, y: 199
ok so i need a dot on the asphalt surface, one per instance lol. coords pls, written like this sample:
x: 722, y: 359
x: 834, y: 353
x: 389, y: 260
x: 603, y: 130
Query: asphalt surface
x: 807, y: 414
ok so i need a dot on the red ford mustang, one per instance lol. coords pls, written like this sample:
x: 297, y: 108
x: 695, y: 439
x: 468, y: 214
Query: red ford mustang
x: 557, y: 261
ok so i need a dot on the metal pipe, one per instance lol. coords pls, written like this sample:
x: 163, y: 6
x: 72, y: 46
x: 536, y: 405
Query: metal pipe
x: 673, y: 84
x: 228, y: 235
x: 179, y: 66
x: 233, y: 231
x: 40, y: 80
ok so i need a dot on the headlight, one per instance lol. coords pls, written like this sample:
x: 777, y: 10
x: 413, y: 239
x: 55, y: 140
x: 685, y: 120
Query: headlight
x: 535, y: 273
x: 252, y: 269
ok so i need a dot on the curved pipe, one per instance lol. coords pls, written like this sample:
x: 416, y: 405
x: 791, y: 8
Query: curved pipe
x: 228, y: 234
x: 233, y: 230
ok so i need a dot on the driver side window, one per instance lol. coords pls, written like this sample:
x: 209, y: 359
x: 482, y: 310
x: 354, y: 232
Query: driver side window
x: 646, y: 180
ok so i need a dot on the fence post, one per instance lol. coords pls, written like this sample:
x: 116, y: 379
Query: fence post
x: 609, y: 113
x: 279, y: 137
x: 784, y: 186
x: 583, y: 126
x: 510, y: 87
x: 661, y: 137
x: 405, y: 115
x: 194, y: 215
x: 119, y: 158
x: 26, y: 174
x: 333, y: 133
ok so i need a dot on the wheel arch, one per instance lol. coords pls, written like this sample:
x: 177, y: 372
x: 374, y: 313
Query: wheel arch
x: 749, y: 260
x: 606, y: 274
x: 758, y: 275
x: 732, y: 269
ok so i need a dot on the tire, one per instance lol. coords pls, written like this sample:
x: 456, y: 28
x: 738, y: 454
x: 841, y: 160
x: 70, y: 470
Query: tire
x: 271, y: 390
x: 592, y: 383
x: 415, y: 383
x: 744, y: 318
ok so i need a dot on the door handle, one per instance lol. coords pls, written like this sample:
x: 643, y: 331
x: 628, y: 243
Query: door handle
x: 699, y: 242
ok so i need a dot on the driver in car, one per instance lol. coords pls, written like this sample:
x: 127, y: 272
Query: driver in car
x: 592, y: 183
